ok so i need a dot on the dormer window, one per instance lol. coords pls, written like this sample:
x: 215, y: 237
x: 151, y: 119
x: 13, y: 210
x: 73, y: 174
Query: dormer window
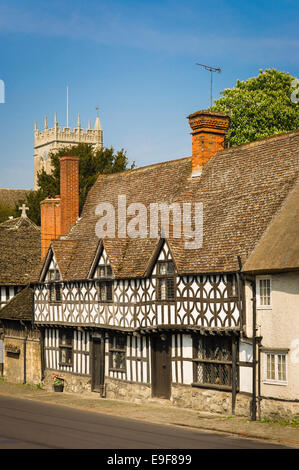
x: 165, y: 280
x: 104, y: 272
x: 54, y: 287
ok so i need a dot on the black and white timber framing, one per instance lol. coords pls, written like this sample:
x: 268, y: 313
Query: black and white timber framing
x: 128, y: 313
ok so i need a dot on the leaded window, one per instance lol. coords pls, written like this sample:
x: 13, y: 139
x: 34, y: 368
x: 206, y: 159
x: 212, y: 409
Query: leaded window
x: 166, y: 280
x: 212, y: 361
x: 54, y: 286
x: 66, y: 348
x: 105, y: 291
x: 104, y: 271
x: 117, y: 353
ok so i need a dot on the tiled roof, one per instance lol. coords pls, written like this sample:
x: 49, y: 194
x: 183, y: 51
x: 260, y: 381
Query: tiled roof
x: 241, y: 189
x: 64, y: 252
x: 19, y: 250
x: 19, y: 307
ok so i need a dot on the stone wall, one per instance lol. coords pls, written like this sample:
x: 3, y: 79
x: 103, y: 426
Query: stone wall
x: 183, y: 396
x: 207, y: 400
x: 279, y: 409
x: 72, y: 382
x: 13, y: 369
x: 122, y: 390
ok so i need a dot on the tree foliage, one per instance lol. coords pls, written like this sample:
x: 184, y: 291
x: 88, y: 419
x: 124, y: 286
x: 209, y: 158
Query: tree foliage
x: 7, y: 211
x: 91, y: 164
x: 259, y: 107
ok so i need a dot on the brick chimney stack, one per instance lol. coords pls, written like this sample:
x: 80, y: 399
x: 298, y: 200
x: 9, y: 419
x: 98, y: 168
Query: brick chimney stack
x: 208, y: 132
x: 69, y: 192
x: 59, y: 214
x: 50, y: 223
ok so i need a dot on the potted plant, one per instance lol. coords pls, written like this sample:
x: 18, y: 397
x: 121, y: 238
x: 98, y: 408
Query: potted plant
x: 58, y: 383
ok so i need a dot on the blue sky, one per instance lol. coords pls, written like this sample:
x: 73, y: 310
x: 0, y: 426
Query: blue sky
x: 136, y: 61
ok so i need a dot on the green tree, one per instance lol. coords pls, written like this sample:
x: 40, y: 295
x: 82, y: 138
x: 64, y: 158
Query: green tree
x: 259, y: 107
x: 6, y: 211
x: 91, y: 164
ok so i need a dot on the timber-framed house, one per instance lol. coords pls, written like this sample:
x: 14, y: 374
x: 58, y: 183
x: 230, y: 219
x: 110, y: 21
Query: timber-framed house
x: 146, y: 317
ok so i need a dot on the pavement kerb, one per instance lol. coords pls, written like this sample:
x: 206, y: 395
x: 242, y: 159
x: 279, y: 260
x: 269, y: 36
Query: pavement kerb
x: 156, y: 413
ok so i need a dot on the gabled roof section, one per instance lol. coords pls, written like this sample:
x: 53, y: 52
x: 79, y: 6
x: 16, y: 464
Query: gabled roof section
x: 20, y: 246
x: 241, y: 189
x: 19, y: 307
x: 95, y: 262
x: 278, y: 249
x: 64, y: 252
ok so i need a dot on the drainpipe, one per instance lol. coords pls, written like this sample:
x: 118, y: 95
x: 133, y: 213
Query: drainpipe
x: 259, y: 381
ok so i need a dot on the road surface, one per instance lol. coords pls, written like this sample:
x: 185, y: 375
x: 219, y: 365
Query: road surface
x: 26, y: 424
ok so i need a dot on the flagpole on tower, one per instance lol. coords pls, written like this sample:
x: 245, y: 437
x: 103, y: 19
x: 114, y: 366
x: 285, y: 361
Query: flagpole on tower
x: 67, y: 106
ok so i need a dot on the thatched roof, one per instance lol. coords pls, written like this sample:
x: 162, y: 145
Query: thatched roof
x: 278, y: 249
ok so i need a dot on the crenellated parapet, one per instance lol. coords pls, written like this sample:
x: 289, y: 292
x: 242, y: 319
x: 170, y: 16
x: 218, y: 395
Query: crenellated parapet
x: 56, y: 137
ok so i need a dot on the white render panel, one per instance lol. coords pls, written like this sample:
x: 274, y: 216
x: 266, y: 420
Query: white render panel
x: 245, y: 379
x: 245, y: 352
x: 187, y: 346
x: 188, y: 372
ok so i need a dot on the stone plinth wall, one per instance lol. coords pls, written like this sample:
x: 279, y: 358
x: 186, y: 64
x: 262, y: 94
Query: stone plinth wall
x: 278, y: 409
x: 72, y: 383
x: 212, y: 401
x: 183, y: 396
x: 121, y: 390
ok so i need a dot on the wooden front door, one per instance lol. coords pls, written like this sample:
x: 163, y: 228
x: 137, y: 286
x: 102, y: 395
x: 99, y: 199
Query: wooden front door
x: 98, y: 365
x: 161, y: 366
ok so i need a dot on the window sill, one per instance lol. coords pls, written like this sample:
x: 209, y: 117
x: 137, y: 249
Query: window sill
x: 275, y: 382
x: 264, y: 307
x: 226, y: 388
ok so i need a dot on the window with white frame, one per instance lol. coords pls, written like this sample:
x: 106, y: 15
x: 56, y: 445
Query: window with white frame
x: 264, y: 292
x: 275, y: 370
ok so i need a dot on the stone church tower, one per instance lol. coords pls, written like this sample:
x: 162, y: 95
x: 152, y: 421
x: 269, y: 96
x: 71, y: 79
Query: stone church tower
x: 54, y: 138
